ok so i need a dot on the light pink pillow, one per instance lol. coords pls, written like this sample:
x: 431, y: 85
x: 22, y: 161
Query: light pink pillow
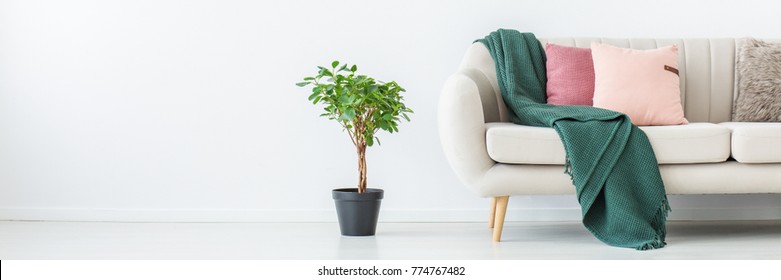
x: 570, y: 75
x: 642, y: 84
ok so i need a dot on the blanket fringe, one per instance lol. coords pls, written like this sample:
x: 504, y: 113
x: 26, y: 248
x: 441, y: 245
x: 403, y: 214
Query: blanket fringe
x: 659, y: 223
x: 568, y: 168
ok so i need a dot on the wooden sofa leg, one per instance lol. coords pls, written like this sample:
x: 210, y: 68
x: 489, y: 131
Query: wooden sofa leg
x: 501, y: 209
x: 493, y: 213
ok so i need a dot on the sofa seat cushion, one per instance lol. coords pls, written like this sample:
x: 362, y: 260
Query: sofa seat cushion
x: 692, y: 143
x: 755, y: 142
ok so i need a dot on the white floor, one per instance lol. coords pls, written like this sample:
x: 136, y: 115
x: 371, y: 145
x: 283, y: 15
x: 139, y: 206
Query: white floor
x: 521, y: 240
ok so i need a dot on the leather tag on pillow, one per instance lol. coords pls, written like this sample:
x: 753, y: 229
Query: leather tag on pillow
x: 671, y: 69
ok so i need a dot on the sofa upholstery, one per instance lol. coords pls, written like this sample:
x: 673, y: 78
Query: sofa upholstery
x: 755, y: 142
x: 711, y: 155
x: 695, y: 143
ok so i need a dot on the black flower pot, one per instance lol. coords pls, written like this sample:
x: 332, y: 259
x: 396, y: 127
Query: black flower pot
x: 357, y: 212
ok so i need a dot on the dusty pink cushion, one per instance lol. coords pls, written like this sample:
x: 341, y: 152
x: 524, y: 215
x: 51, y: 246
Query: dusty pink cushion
x: 570, y: 75
x: 643, y: 84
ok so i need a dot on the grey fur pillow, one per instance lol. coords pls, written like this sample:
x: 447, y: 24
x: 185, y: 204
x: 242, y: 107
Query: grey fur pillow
x: 758, y: 82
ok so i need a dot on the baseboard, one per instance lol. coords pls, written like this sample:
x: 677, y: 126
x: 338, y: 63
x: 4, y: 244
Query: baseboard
x: 322, y: 215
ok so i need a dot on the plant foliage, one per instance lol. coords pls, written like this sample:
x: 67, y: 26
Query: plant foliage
x: 361, y: 104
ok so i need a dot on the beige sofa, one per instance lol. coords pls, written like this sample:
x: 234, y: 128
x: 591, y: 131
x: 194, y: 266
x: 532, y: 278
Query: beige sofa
x: 712, y: 155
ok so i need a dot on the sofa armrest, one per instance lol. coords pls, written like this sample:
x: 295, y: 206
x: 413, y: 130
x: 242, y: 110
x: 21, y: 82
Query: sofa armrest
x: 462, y: 126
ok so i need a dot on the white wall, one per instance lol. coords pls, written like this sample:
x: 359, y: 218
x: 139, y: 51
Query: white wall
x: 187, y: 110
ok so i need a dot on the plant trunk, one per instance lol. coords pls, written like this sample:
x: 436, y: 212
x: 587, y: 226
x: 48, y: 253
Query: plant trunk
x: 361, y: 168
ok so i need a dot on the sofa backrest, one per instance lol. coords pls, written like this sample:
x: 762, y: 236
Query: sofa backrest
x: 706, y: 67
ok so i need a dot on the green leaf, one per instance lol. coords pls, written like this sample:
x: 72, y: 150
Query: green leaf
x: 325, y: 72
x: 344, y: 99
x: 382, y: 125
x: 312, y: 96
x: 302, y: 84
x: 334, y: 64
x: 348, y: 115
x: 354, y: 68
x: 369, y: 141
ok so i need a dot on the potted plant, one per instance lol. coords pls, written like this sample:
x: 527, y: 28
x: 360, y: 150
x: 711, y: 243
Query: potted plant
x: 362, y: 106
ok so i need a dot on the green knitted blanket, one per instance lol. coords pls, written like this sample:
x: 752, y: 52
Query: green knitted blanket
x: 610, y: 160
